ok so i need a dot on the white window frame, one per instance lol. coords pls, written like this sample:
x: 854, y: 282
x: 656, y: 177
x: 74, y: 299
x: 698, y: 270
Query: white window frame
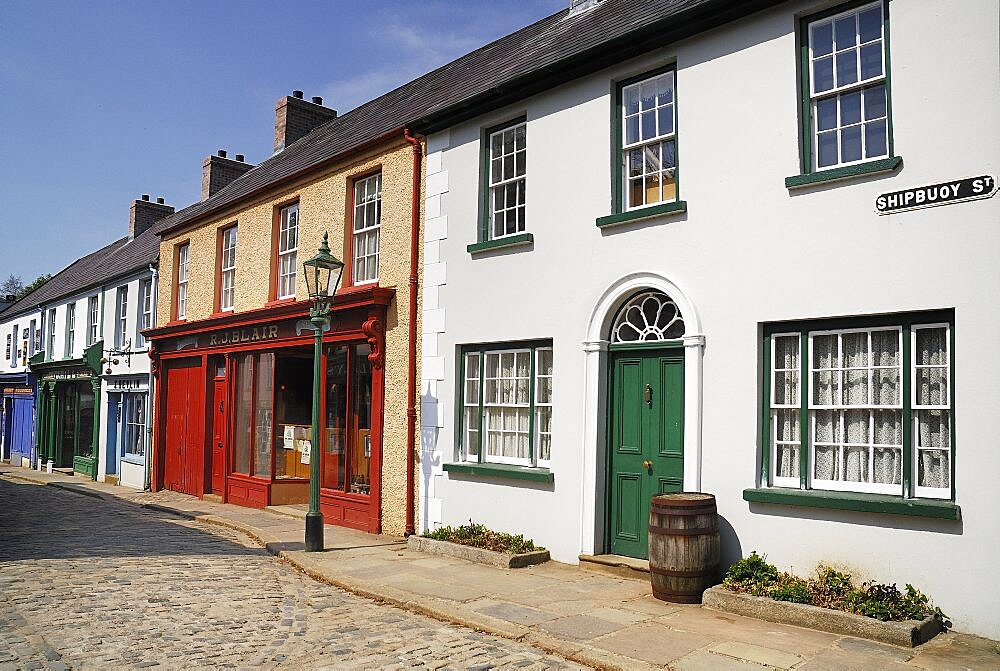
x: 145, y: 310
x: 50, y: 339
x: 92, y: 320
x: 497, y: 182
x: 227, y: 269
x: 837, y: 91
x: 287, y: 251
x: 13, y: 354
x: 70, y: 330
x: 132, y: 424
x: 929, y: 492
x: 121, y: 316
x: 776, y: 408
x: 183, y: 262
x: 642, y: 144
x: 366, y: 231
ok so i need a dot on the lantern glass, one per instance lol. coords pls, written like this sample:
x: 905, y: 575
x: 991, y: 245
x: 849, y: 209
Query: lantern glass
x: 322, y: 273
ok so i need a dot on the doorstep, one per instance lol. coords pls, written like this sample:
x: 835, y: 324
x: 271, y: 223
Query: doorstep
x: 618, y: 565
x: 296, y: 510
x: 213, y: 498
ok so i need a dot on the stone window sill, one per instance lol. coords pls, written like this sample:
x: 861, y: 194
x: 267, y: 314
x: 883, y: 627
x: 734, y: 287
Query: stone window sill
x: 518, y: 240
x: 868, y: 503
x: 502, y: 471
x: 882, y: 165
x: 676, y: 207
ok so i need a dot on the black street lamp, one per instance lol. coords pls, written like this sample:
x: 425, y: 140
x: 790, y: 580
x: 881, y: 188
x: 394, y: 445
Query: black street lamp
x: 322, y: 274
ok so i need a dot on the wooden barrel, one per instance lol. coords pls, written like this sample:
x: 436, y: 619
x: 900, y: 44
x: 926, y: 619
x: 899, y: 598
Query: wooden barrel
x: 683, y: 546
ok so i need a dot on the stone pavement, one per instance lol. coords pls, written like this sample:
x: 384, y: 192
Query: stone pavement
x: 592, y: 618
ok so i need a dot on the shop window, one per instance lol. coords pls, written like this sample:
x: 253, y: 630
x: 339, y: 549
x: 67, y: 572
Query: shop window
x: 263, y: 414
x: 347, y: 439
x: 838, y: 413
x: 132, y: 425
x: 244, y: 399
x: 293, y: 381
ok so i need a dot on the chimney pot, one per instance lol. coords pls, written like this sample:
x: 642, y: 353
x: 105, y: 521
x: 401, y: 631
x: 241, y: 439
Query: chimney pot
x: 318, y: 100
x: 222, y: 153
x: 297, y: 94
x: 144, y: 214
x: 239, y: 157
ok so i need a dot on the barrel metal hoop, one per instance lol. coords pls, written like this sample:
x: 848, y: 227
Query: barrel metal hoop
x: 683, y: 574
x: 660, y: 531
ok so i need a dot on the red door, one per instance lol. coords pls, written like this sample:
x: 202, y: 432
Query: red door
x: 183, y: 462
x: 219, y: 437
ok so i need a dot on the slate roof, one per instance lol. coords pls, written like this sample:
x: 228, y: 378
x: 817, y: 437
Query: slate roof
x: 553, y: 50
x: 120, y: 258
x: 546, y: 53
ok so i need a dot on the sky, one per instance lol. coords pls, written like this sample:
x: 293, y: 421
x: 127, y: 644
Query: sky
x: 102, y: 101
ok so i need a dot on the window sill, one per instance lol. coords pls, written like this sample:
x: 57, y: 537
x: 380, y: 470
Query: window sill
x: 518, y: 240
x: 867, y: 503
x: 881, y: 165
x: 135, y: 461
x: 676, y: 207
x: 503, y: 471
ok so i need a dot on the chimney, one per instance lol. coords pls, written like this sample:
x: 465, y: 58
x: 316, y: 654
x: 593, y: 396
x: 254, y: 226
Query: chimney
x: 294, y: 117
x: 144, y: 214
x: 218, y: 171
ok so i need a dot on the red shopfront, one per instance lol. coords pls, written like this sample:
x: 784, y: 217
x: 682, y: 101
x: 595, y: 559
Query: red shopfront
x: 234, y: 407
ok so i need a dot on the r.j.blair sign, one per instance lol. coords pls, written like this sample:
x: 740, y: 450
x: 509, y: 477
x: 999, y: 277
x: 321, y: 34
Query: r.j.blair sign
x: 946, y: 193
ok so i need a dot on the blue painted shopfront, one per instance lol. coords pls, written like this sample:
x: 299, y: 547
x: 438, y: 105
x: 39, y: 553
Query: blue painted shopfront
x: 18, y: 417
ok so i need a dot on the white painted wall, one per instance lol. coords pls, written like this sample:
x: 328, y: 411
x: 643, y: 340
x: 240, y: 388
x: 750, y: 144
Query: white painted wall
x: 747, y: 251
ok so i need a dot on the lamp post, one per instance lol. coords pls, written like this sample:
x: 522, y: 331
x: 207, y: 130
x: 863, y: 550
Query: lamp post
x: 322, y: 274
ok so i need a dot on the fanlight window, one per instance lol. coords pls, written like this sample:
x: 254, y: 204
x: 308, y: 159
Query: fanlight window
x: 648, y: 316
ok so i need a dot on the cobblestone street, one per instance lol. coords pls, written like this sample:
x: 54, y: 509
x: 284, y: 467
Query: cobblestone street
x: 90, y: 583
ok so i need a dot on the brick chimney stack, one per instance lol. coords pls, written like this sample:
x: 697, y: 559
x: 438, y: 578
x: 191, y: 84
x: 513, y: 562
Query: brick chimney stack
x: 294, y: 117
x: 144, y: 214
x: 218, y: 171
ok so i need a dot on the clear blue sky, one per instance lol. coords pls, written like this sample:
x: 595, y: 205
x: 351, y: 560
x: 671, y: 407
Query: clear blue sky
x: 103, y: 101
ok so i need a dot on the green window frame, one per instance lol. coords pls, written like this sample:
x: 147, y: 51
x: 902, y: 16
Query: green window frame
x: 860, y: 406
x: 505, y: 389
x: 845, y: 101
x: 639, y: 124
x: 501, y: 171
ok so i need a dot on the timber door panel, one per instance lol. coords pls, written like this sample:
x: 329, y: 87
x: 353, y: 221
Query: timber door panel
x: 219, y: 415
x: 646, y: 449
x: 183, y: 462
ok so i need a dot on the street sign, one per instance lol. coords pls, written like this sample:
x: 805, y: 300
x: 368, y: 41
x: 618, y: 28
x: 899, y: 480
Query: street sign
x: 945, y: 193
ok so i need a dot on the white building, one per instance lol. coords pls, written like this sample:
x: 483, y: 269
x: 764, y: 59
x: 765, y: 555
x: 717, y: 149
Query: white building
x: 88, y: 360
x: 704, y: 179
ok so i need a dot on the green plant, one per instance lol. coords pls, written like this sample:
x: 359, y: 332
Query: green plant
x: 886, y: 602
x: 830, y: 587
x: 791, y: 588
x: 477, y: 535
x: 752, y: 575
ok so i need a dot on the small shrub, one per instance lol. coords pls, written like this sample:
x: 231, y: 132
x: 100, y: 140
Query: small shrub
x: 752, y: 575
x: 477, y: 535
x: 830, y: 587
x: 886, y: 602
x: 791, y: 588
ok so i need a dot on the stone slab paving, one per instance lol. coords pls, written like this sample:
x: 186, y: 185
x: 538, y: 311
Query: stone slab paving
x: 95, y: 584
x: 596, y: 619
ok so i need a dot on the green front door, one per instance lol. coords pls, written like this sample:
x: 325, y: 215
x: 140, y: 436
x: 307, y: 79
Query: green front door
x: 646, y: 448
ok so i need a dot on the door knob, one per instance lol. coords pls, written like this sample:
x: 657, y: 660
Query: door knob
x: 647, y: 464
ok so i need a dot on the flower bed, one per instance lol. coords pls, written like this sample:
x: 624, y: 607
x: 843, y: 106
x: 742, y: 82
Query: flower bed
x: 829, y: 600
x: 474, y: 542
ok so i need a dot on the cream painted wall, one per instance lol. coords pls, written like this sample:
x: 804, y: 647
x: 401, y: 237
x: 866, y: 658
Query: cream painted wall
x: 322, y: 199
x: 748, y: 251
